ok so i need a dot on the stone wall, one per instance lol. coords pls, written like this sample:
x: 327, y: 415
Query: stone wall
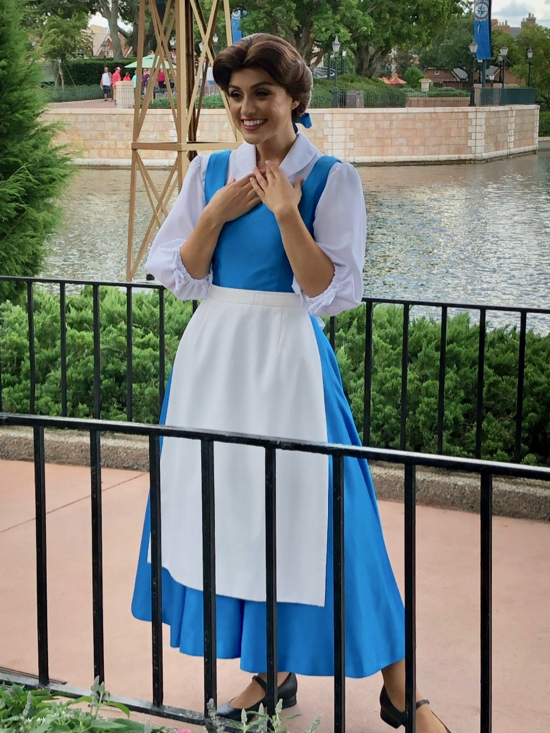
x: 367, y: 136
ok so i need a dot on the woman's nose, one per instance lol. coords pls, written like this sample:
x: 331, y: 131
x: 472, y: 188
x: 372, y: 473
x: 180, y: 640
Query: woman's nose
x: 247, y: 108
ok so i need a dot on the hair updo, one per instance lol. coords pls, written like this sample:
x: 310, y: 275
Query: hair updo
x: 273, y: 55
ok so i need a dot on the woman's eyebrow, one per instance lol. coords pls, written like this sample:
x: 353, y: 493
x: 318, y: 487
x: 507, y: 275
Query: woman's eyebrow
x: 258, y: 84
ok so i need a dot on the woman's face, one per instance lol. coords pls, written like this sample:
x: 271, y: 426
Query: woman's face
x: 261, y: 109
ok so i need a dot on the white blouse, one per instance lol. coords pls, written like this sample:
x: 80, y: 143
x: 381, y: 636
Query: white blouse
x: 339, y: 227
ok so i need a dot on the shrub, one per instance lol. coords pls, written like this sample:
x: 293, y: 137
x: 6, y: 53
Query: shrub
x: 87, y: 72
x: 33, y: 170
x: 544, y: 124
x: 72, y: 94
x: 424, y: 344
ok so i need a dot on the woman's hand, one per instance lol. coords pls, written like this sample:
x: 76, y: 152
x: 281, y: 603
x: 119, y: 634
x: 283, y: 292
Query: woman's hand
x: 275, y: 190
x: 235, y: 199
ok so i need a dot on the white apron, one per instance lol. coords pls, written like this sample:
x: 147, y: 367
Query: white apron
x: 248, y: 362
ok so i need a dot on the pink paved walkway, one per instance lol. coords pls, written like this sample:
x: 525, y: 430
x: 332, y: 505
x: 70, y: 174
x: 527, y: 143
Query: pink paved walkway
x: 448, y: 582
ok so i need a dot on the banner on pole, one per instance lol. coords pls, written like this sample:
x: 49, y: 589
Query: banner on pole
x: 482, y: 29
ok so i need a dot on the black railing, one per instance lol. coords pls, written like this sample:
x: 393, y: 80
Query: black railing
x: 497, y: 96
x: 527, y: 317
x: 485, y: 470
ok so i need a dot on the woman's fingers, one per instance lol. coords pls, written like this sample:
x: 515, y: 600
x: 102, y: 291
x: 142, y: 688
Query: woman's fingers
x: 257, y: 188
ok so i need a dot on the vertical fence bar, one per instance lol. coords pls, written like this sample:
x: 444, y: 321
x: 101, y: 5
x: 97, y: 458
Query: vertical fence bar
x: 410, y: 597
x: 367, y: 393
x: 129, y: 355
x: 32, y: 347
x: 339, y: 594
x: 404, y: 376
x: 332, y: 332
x: 486, y: 517
x: 271, y: 575
x: 1, y: 381
x: 442, y: 372
x: 521, y: 383
x: 162, y: 347
x: 195, y: 305
x: 156, y: 570
x: 209, y: 573
x: 41, y: 555
x: 480, y: 375
x: 97, y: 554
x: 97, y: 353
x: 63, y: 346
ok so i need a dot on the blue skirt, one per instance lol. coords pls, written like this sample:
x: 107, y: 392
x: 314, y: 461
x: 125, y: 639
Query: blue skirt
x: 374, y: 609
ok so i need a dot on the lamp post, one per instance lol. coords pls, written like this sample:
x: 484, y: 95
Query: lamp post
x: 215, y: 39
x: 530, y: 62
x: 473, y: 51
x: 502, y: 58
x: 344, y: 54
x: 335, y: 49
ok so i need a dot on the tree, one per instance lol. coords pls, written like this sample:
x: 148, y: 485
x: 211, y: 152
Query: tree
x: 63, y: 39
x: 451, y: 48
x: 412, y: 77
x: 33, y: 170
x: 536, y: 37
x: 404, y: 24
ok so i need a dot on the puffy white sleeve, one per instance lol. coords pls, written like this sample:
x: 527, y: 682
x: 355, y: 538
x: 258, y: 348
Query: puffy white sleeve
x: 340, y: 230
x: 164, y: 261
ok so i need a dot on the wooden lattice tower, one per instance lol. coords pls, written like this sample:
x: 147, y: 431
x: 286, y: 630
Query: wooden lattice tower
x: 180, y: 19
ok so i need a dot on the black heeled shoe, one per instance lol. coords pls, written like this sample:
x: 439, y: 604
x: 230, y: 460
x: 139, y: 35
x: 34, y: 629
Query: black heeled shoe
x: 286, y: 692
x: 394, y: 717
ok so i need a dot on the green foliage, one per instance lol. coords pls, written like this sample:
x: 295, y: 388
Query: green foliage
x: 87, y: 72
x: 259, y: 722
x: 544, y: 124
x: 412, y: 77
x: 62, y: 39
x: 500, y: 384
x: 451, y: 48
x: 500, y: 376
x: 33, y: 171
x: 14, y: 349
x: 38, y: 711
x: 72, y: 94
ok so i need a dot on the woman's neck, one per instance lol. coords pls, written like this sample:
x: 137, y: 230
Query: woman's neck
x: 273, y: 150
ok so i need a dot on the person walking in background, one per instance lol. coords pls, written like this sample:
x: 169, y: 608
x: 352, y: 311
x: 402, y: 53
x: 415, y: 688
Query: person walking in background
x: 161, y: 79
x: 106, y: 83
x: 127, y: 76
x: 116, y: 79
x: 144, y: 81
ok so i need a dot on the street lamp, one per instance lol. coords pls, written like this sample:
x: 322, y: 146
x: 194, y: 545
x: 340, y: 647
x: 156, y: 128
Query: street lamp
x: 335, y: 49
x: 473, y: 51
x: 215, y: 39
x: 344, y: 54
x: 530, y: 62
x: 502, y: 58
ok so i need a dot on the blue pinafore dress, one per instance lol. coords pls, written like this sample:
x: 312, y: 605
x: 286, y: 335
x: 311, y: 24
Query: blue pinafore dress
x: 250, y: 256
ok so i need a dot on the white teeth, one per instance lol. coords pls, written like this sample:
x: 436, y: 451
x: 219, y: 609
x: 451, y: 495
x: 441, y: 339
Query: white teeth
x: 253, y: 123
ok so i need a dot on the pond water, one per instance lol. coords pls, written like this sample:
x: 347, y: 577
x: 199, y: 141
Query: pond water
x: 455, y: 233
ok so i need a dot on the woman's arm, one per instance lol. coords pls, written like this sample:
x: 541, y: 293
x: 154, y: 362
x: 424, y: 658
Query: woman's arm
x: 339, y: 239
x: 235, y: 199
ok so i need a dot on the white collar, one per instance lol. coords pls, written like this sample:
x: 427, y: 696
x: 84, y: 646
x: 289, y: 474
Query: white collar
x: 297, y: 159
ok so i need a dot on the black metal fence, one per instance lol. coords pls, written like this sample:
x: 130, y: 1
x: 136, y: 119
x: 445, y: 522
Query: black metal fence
x: 482, y: 312
x: 484, y: 470
x: 497, y: 96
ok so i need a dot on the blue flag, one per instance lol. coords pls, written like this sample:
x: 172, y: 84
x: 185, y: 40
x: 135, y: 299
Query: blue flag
x: 236, y: 32
x: 482, y: 29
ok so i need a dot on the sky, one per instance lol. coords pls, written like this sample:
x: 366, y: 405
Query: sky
x: 511, y: 10
x: 514, y: 11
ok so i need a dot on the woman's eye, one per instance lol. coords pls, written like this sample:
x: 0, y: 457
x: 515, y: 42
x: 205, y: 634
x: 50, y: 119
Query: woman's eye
x: 234, y: 95
x: 261, y: 93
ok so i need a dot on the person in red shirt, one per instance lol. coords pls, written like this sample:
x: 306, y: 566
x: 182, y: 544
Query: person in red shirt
x: 161, y: 79
x: 116, y: 78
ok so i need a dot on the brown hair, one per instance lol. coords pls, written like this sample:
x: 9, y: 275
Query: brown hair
x: 273, y: 55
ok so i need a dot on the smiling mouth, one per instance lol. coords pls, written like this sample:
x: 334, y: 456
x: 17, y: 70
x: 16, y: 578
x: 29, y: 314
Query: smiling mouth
x: 253, y: 124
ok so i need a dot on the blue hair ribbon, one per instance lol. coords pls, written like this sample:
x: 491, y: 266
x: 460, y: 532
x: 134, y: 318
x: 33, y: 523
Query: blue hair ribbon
x: 304, y: 120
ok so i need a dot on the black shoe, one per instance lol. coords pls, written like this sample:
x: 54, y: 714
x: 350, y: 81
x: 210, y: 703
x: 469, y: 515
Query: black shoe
x: 285, y: 692
x: 394, y: 717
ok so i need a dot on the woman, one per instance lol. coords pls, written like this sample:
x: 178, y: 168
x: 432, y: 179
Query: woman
x: 270, y: 236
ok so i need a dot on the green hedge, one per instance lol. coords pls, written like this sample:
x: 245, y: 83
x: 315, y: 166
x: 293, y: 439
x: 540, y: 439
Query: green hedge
x: 544, y: 124
x: 461, y: 377
x: 87, y: 72
x: 72, y: 94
